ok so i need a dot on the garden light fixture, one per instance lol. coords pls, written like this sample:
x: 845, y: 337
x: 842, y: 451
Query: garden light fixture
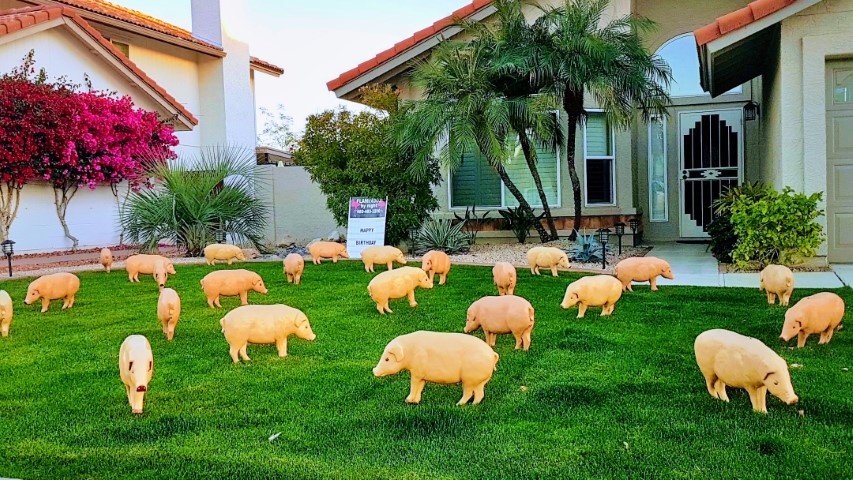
x: 634, y: 223
x: 620, y: 230
x: 603, y: 236
x: 8, y: 250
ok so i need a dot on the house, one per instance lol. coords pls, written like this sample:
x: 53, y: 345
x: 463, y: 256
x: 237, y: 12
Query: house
x: 768, y: 97
x: 202, y: 81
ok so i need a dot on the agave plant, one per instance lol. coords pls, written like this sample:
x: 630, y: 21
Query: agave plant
x: 585, y: 248
x: 439, y: 234
x: 198, y: 201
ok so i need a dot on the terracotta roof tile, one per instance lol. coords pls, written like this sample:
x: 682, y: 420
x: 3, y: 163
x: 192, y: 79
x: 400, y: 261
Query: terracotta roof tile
x: 738, y: 19
x: 16, y: 19
x: 266, y: 65
x: 407, y: 43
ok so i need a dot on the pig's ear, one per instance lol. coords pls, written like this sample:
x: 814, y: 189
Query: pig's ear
x: 301, y: 320
x: 768, y: 374
x: 396, y: 351
x: 130, y: 366
x: 151, y: 365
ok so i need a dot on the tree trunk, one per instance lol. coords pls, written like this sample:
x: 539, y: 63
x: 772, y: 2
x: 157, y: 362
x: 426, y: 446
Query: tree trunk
x: 61, y: 197
x: 573, y: 105
x: 10, y: 200
x: 522, y: 202
x: 530, y: 156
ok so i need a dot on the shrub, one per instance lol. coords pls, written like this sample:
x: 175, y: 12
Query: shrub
x: 438, y: 234
x: 198, y: 201
x: 773, y: 226
x: 520, y: 222
x: 723, y: 238
x: 472, y: 223
x: 585, y: 248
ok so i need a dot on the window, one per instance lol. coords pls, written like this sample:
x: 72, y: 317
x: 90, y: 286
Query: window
x: 475, y: 182
x: 121, y: 47
x: 680, y: 54
x: 657, y: 170
x: 599, y: 171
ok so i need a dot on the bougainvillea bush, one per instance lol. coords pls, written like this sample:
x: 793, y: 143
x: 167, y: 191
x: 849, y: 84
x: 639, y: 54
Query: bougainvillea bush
x: 53, y: 131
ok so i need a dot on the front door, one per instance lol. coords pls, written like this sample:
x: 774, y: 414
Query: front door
x: 711, y: 154
x: 839, y: 157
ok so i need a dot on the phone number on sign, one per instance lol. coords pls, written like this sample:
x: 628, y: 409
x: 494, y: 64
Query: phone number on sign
x: 368, y: 210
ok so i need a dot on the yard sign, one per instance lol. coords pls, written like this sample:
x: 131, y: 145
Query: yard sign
x: 366, y: 225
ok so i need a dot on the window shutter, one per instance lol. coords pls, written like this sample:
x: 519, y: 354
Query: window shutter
x: 475, y: 182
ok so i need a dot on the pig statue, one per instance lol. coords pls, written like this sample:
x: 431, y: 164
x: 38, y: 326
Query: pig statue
x: 546, y: 257
x: 440, y: 358
x: 436, y: 262
x: 321, y: 250
x: 169, y: 311
x: 5, y: 313
x: 52, y: 287
x: 777, y: 280
x: 223, y: 252
x: 107, y: 259
x: 294, y: 264
x: 263, y: 324
x: 149, y: 265
x: 231, y: 283
x: 642, y: 269
x: 504, y: 277
x: 593, y: 291
x: 729, y: 358
x: 381, y: 255
x: 395, y: 284
x: 499, y: 315
x: 819, y: 313
x: 136, y: 366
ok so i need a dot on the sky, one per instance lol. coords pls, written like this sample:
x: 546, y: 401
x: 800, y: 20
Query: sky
x: 314, y: 41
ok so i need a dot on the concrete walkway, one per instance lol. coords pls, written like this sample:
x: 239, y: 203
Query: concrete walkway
x: 692, y: 265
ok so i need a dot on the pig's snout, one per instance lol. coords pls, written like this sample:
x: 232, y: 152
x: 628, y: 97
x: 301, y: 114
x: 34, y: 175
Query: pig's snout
x: 313, y: 337
x: 141, y: 388
x: 375, y: 372
x: 137, y: 411
x: 794, y: 400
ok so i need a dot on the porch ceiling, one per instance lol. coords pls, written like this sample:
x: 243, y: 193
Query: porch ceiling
x: 735, y: 64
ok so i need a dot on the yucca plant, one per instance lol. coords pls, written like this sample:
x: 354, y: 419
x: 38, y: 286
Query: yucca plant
x: 439, y: 234
x: 198, y: 201
x: 585, y: 248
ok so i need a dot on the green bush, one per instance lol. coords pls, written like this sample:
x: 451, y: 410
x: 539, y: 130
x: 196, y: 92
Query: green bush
x: 520, y: 221
x: 438, y: 234
x: 773, y: 226
x: 723, y: 238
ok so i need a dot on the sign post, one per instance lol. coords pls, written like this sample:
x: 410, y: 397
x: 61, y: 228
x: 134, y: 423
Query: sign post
x: 366, y: 225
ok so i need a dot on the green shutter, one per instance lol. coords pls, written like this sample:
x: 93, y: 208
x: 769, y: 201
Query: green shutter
x: 474, y: 182
x: 598, y: 143
x: 519, y: 173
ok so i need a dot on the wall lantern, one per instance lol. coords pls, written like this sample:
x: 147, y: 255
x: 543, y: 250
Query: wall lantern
x: 751, y: 110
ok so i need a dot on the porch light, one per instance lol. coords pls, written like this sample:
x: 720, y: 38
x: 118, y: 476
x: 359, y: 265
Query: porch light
x: 603, y: 237
x: 751, y: 110
x: 8, y: 250
x: 620, y: 230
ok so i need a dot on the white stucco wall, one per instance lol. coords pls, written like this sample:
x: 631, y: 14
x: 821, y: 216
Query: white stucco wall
x: 297, y: 206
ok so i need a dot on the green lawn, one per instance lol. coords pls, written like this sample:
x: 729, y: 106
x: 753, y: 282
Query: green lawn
x: 614, y: 397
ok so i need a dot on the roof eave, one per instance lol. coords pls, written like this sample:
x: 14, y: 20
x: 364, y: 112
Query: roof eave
x: 264, y: 69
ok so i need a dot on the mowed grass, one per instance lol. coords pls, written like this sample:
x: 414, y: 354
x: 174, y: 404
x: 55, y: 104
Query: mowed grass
x: 617, y: 397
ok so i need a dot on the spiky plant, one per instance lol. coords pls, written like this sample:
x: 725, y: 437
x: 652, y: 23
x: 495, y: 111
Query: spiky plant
x: 440, y: 234
x: 197, y: 200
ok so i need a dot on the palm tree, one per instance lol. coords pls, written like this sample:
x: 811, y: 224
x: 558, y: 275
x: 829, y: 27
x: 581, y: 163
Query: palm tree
x: 575, y: 55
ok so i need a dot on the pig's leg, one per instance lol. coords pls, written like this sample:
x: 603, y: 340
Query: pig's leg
x: 216, y: 302
x: 335, y: 259
x: 45, y: 304
x: 243, y: 352
x: 467, y: 393
x: 554, y: 270
x: 390, y: 265
x: 710, y: 384
x: 479, y: 392
x: 501, y: 290
x: 380, y: 308
x: 442, y: 278
x: 416, y: 390
x: 491, y: 338
x: 210, y: 301
x: 297, y: 279
x: 289, y: 278
x: 129, y: 395
x: 771, y: 298
x: 721, y: 390
x: 69, y: 302
x: 244, y: 297
x: 758, y: 396
x: 786, y: 298
x: 234, y: 352
x: 581, y: 310
x: 510, y: 290
x: 629, y: 287
x: 367, y: 267
x: 654, y: 283
x: 801, y: 339
x: 829, y: 333
x: 526, y: 337
x: 431, y: 275
x: 411, y: 295
x: 281, y: 345
x: 518, y: 340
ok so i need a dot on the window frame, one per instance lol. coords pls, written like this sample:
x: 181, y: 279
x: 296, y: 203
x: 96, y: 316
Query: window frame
x: 611, y: 157
x: 665, y: 168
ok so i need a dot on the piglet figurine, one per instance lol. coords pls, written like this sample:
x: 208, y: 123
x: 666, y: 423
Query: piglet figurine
x: 223, y: 252
x: 52, y: 287
x: 148, y: 265
x: 107, y: 259
x: 321, y: 250
x: 502, y: 314
x: 440, y: 358
x: 169, y: 311
x: 386, y: 255
x: 505, y: 278
x: 395, y: 284
x: 263, y: 324
x: 819, y: 313
x: 231, y: 283
x: 436, y: 262
x: 777, y: 280
x: 294, y: 264
x: 547, y: 257
x: 642, y: 269
x: 593, y: 291
x: 136, y: 366
x: 728, y: 358
x: 6, y: 312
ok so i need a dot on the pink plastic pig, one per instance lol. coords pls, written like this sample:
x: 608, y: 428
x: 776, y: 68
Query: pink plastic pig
x: 321, y: 250
x: 294, y: 264
x: 642, y: 269
x: 169, y: 311
x: 819, y: 313
x: 6, y: 312
x: 546, y: 257
x: 107, y: 259
x: 52, y: 287
x: 223, y: 252
x: 136, y: 366
x: 395, y: 284
x: 436, y: 262
x: 777, y: 280
x: 382, y: 255
x: 149, y: 265
x: 440, y: 358
x: 263, y: 324
x: 504, y: 277
x: 728, y: 358
x: 502, y: 314
x: 593, y: 291
x: 231, y: 283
